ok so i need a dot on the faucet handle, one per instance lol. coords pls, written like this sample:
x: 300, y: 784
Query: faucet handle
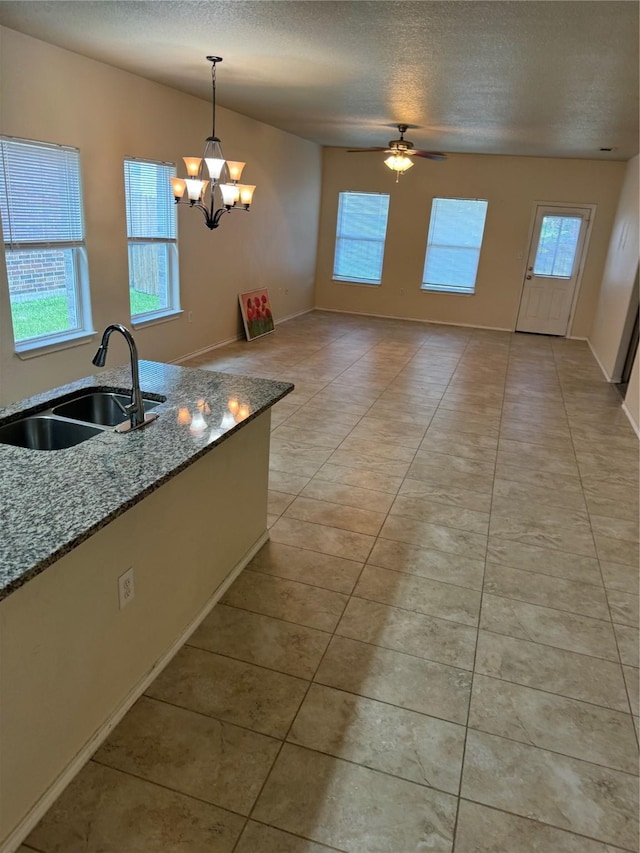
x: 126, y: 410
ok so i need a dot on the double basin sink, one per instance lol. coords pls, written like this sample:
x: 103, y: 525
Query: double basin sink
x: 71, y: 422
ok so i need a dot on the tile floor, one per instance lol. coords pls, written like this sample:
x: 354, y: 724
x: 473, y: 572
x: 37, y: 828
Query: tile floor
x: 437, y: 650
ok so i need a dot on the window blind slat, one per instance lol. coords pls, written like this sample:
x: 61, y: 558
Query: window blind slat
x: 150, y: 203
x: 47, y: 210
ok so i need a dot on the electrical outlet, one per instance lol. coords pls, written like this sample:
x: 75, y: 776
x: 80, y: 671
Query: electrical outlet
x: 126, y: 589
x: 190, y: 317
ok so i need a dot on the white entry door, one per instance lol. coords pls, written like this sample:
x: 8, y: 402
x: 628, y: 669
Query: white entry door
x: 553, y: 267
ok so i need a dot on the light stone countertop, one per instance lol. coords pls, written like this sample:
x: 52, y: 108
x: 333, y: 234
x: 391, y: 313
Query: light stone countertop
x: 51, y: 501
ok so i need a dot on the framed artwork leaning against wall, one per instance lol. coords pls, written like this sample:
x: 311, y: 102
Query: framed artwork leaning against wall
x: 257, y: 317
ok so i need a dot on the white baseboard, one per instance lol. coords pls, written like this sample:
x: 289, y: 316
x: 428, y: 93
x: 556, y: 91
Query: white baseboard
x: 634, y: 425
x: 205, y: 350
x: 211, y: 347
x: 295, y: 314
x: 22, y: 830
x: 411, y: 319
x: 599, y: 363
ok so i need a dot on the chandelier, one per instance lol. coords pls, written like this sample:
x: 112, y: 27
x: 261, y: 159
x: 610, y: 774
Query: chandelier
x: 201, y: 193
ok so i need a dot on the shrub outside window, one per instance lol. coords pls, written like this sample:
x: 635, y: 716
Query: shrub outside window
x: 151, y: 234
x: 360, y: 236
x: 44, y: 242
x: 453, y: 244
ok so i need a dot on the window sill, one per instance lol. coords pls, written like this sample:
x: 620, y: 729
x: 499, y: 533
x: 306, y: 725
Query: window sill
x: 141, y: 320
x: 32, y: 349
x: 451, y: 290
x: 357, y: 282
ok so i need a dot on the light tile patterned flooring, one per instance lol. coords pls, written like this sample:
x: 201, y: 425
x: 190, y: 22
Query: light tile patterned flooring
x: 437, y: 650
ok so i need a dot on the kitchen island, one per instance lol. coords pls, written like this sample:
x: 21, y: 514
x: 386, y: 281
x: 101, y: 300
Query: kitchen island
x: 182, y: 502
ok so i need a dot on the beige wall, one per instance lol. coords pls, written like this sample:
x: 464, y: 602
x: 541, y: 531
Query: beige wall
x: 610, y: 332
x: 53, y: 95
x: 511, y: 185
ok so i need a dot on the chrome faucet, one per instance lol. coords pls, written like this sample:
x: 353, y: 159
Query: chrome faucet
x: 135, y: 409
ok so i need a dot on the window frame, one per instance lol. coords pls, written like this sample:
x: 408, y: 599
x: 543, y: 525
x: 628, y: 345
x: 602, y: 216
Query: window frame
x: 344, y: 279
x: 83, y: 331
x: 172, y: 309
x: 460, y: 290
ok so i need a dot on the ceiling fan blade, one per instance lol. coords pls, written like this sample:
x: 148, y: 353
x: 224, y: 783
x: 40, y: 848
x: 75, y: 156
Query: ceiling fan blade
x: 360, y: 150
x: 429, y: 155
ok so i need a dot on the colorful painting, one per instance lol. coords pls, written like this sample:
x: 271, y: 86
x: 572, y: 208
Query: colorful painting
x: 256, y: 313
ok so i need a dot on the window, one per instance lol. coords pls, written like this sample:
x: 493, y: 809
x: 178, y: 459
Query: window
x: 43, y: 232
x: 453, y: 245
x: 362, y: 227
x: 557, y: 246
x: 151, y: 231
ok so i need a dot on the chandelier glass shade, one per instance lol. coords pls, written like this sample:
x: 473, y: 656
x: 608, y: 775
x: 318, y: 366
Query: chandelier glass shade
x: 198, y: 191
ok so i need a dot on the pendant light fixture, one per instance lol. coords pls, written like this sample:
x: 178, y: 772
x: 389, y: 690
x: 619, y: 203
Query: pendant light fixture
x: 195, y: 191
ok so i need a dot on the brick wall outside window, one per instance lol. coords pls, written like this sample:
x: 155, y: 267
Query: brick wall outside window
x: 35, y: 275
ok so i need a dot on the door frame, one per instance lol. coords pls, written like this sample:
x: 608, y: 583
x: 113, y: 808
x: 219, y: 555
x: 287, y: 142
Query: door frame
x: 525, y: 255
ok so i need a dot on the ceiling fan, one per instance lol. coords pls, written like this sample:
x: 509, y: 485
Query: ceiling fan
x: 400, y: 152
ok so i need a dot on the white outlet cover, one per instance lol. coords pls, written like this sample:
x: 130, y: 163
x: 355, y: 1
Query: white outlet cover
x: 126, y: 588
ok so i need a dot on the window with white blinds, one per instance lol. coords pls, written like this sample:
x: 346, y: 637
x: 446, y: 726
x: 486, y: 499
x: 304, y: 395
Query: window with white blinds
x: 453, y: 244
x: 151, y: 232
x: 360, y: 236
x: 43, y: 234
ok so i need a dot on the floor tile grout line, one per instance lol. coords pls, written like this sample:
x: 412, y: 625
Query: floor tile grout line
x: 546, y: 645
x: 288, y: 832
x: 555, y: 608
x: 222, y: 720
x: 534, y: 820
x: 165, y: 787
x: 473, y: 668
x: 568, y: 755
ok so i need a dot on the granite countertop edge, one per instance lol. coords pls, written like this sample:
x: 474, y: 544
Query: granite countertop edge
x: 199, y: 392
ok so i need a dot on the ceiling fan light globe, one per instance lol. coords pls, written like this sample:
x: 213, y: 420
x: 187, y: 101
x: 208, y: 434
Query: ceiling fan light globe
x: 398, y: 162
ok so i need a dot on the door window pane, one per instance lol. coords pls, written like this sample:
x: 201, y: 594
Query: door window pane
x: 360, y: 236
x: 557, y: 246
x: 453, y: 244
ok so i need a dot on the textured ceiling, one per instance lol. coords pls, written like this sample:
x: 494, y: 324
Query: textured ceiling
x: 526, y: 77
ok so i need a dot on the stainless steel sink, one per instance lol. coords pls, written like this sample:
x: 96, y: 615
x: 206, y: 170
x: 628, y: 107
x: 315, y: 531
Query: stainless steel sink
x: 43, y: 432
x: 99, y: 407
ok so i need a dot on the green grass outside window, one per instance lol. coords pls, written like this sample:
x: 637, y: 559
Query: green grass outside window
x: 49, y: 315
